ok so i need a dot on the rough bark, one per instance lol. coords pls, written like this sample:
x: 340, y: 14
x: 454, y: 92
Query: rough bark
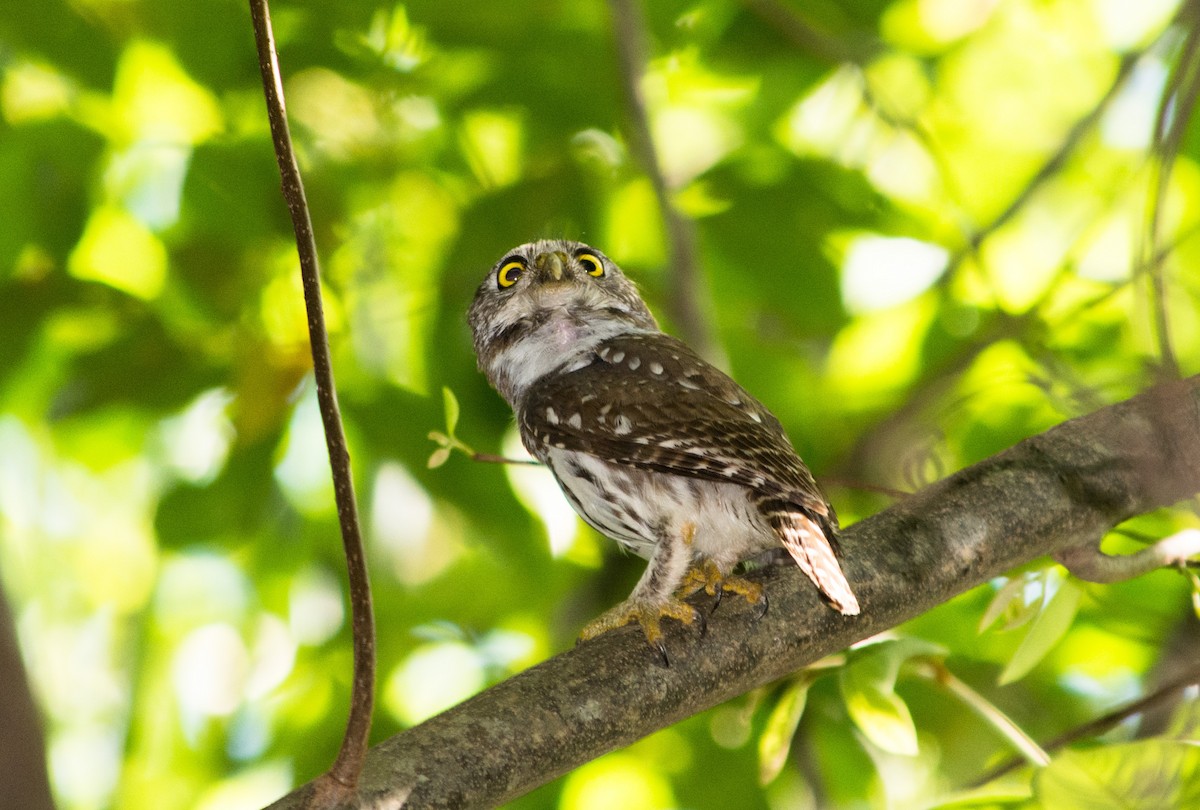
x: 1060, y: 489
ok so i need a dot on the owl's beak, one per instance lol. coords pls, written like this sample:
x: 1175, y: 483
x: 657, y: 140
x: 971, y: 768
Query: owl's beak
x: 550, y: 265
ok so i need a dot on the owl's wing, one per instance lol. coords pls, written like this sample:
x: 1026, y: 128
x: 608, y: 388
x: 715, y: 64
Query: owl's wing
x: 649, y: 401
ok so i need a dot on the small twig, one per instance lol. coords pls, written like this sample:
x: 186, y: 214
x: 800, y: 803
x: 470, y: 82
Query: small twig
x: 1101, y: 724
x: 846, y: 483
x: 1089, y: 563
x: 1029, y: 750
x: 448, y: 443
x: 685, y: 286
x: 491, y: 458
x: 344, y: 773
x: 1164, y: 250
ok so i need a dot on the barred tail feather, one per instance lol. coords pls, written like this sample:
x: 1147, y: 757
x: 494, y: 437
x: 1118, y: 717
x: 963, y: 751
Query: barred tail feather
x: 809, y: 547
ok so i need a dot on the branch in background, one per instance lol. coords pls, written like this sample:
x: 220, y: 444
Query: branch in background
x: 815, y: 43
x: 1029, y: 750
x: 1071, y: 483
x: 846, y: 483
x: 1102, y: 724
x: 26, y: 785
x: 876, y: 444
x: 339, y: 783
x: 1170, y: 126
x: 1005, y: 326
x: 687, y: 295
x: 822, y: 46
x: 1057, y: 160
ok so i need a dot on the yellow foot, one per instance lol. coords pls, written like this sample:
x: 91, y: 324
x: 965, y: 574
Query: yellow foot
x: 648, y: 616
x: 707, y: 577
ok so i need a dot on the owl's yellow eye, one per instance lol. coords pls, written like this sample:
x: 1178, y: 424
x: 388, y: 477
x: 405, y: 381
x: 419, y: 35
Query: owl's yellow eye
x: 591, y: 264
x: 510, y: 272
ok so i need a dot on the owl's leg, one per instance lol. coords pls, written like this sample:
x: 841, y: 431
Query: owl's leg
x: 653, y: 598
x: 709, y: 577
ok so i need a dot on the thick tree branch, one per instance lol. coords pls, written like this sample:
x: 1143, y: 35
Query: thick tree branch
x: 1059, y: 489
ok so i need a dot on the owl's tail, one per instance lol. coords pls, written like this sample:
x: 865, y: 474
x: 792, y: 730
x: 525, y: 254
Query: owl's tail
x: 811, y: 550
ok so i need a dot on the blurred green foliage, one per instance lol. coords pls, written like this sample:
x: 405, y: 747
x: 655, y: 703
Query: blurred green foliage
x: 919, y: 224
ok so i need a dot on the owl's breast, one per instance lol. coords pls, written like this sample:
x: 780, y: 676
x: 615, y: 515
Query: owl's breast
x: 637, y: 507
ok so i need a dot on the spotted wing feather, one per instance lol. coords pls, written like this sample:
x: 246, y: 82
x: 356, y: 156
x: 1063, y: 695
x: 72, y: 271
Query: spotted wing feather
x: 649, y: 401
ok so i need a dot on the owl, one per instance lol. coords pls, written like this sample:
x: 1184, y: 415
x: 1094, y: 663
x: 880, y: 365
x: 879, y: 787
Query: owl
x: 651, y: 445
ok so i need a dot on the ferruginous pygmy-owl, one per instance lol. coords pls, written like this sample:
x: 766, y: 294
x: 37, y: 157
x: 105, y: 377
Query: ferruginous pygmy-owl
x: 652, y: 445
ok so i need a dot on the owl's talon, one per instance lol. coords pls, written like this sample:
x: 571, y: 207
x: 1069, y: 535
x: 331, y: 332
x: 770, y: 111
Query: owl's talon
x: 763, y: 606
x: 649, y: 617
x: 707, y: 577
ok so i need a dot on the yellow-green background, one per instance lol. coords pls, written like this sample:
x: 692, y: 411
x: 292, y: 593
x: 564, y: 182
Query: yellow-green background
x: 167, y: 536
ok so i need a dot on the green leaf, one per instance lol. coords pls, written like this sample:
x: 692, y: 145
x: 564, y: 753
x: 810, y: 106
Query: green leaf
x: 452, y: 410
x: 1195, y: 580
x: 1145, y: 775
x: 1013, y: 591
x: 868, y: 685
x: 776, y: 740
x: 438, y: 457
x: 882, y: 716
x: 1050, y: 625
x: 1011, y: 790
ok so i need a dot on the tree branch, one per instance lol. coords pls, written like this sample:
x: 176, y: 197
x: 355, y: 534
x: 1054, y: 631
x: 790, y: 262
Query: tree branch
x: 23, y: 747
x: 1054, y: 490
x: 343, y: 775
x: 1089, y: 563
x: 1170, y: 127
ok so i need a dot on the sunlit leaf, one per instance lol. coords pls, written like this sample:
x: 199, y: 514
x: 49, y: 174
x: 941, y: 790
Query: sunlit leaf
x: 1012, y: 591
x: 776, y: 740
x: 1013, y: 790
x: 1012, y: 604
x: 1020, y: 613
x: 452, y: 410
x: 438, y: 457
x: 1145, y: 775
x: 882, y: 716
x: 868, y: 683
x: 1045, y: 631
x: 1194, y: 579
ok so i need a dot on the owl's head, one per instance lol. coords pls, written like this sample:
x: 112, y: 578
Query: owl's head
x: 545, y: 306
